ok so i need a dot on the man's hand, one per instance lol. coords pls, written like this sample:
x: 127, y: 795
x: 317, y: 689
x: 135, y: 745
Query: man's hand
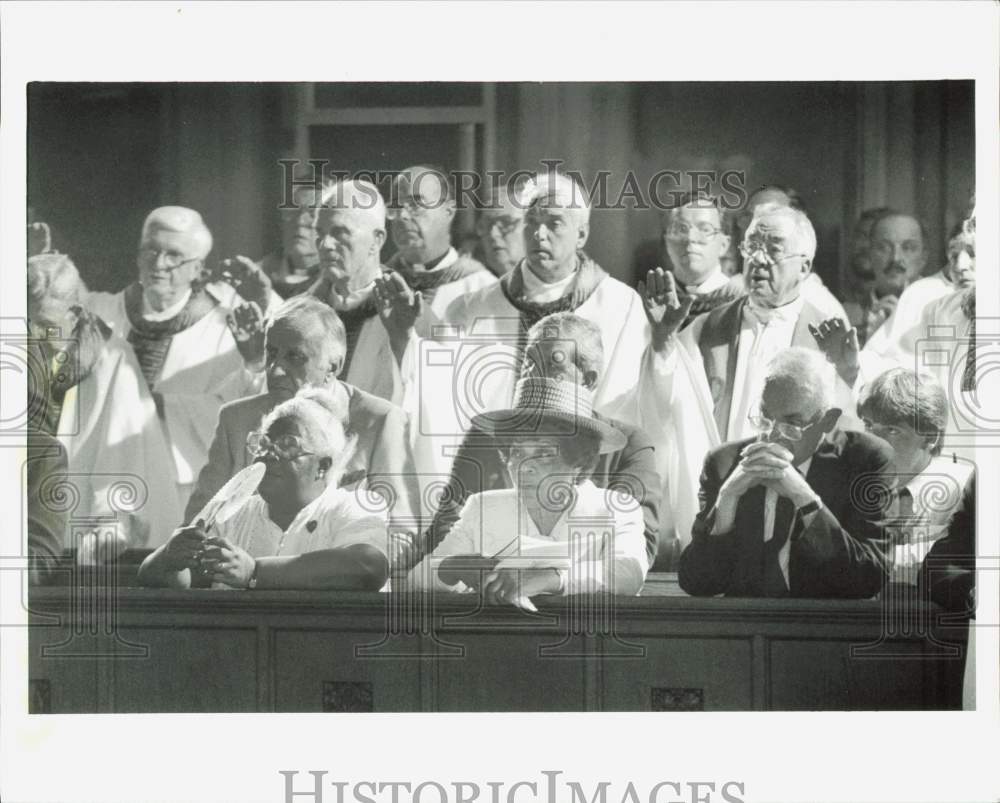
x: 227, y: 563
x: 664, y: 311
x: 184, y: 547
x: 246, y: 322
x: 771, y: 465
x: 247, y: 279
x: 840, y: 345
x: 737, y: 483
x: 887, y: 305
x: 517, y: 586
x: 399, y: 308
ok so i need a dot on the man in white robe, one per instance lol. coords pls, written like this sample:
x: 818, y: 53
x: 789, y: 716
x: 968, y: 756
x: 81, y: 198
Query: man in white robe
x: 94, y: 399
x: 180, y: 336
x: 472, y: 367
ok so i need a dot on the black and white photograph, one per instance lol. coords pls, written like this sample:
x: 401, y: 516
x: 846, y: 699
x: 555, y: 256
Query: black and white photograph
x: 442, y: 402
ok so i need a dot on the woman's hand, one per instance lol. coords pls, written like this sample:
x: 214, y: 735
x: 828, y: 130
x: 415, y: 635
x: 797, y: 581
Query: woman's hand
x: 227, y: 563
x: 517, y: 586
x: 184, y: 547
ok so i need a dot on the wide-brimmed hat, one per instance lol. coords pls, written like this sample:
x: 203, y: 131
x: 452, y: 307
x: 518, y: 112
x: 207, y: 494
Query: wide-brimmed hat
x: 550, y: 407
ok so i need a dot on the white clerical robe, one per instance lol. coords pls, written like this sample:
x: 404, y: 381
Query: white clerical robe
x: 195, y: 380
x: 117, y: 454
x: 474, y: 368
x: 887, y: 340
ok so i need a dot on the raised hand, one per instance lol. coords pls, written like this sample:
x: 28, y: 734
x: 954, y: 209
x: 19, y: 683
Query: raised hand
x: 839, y: 342
x: 399, y: 308
x: 246, y: 278
x: 246, y: 322
x: 664, y: 310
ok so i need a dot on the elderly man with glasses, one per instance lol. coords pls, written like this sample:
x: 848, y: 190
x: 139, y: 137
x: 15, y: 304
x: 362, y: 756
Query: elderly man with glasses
x: 180, y: 334
x: 792, y: 511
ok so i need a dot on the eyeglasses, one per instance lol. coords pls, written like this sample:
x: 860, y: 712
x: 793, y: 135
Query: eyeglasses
x: 171, y: 259
x: 790, y: 432
x: 506, y: 225
x: 284, y: 447
x: 773, y: 252
x: 681, y: 229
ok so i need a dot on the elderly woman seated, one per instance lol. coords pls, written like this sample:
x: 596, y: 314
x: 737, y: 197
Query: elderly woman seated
x: 910, y: 412
x: 299, y: 530
x: 554, y: 532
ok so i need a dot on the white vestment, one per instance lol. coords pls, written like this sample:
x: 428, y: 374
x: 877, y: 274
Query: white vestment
x: 194, y: 381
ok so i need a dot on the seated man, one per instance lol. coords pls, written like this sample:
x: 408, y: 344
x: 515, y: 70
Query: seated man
x: 300, y: 530
x: 909, y: 411
x: 785, y: 514
x: 566, y: 347
x: 304, y: 346
x: 552, y: 441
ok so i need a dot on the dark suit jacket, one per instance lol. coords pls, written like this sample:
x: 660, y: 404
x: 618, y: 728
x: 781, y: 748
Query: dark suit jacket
x: 478, y: 467
x: 382, y: 452
x: 47, y: 522
x: 948, y: 574
x: 719, y: 340
x: 840, y: 554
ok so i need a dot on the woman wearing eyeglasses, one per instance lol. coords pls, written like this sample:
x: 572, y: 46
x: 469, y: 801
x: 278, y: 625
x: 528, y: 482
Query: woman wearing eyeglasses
x: 554, y: 532
x: 299, y: 530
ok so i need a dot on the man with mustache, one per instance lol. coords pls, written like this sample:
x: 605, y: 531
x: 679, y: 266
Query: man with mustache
x: 305, y: 346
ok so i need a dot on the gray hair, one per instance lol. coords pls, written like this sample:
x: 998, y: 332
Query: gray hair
x: 53, y: 283
x: 586, y: 336
x: 181, y: 220
x: 323, y: 418
x: 556, y: 187
x: 805, y: 369
x: 302, y: 308
x: 805, y: 234
x: 355, y: 195
x: 899, y: 396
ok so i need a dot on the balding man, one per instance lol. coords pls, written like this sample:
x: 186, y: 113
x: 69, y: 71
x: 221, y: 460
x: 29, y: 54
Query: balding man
x: 421, y: 211
x: 784, y: 513
x: 179, y: 334
x: 451, y: 378
x: 350, y: 233
x: 499, y: 232
x: 304, y: 347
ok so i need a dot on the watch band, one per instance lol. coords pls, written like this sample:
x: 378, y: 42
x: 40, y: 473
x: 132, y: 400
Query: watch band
x: 815, y: 506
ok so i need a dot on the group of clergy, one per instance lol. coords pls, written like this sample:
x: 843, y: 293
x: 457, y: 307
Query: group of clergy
x: 703, y: 399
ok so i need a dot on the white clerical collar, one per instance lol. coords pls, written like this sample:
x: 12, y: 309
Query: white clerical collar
x: 150, y: 314
x: 714, y: 281
x: 542, y: 292
x: 449, y: 259
x: 788, y: 313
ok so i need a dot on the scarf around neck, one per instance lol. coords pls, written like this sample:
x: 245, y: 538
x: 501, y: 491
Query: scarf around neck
x: 588, y: 276
x: 150, y: 340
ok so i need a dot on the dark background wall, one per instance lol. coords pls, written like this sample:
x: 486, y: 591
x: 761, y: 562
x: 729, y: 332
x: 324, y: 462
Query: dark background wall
x: 100, y: 156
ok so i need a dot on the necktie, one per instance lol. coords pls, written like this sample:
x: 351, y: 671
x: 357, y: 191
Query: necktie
x: 774, y: 579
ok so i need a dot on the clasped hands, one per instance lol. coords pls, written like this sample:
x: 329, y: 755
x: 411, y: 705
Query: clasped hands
x: 209, y: 556
x: 762, y: 463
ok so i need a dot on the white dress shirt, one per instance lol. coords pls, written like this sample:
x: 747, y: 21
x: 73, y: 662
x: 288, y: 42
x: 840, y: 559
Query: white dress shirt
x: 770, y: 510
x: 764, y: 332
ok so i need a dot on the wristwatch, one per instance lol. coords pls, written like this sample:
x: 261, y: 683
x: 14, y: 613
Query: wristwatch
x: 815, y: 506
x: 252, y: 582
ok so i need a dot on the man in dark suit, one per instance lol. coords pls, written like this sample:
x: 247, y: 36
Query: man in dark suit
x: 305, y: 345
x: 948, y: 574
x: 567, y: 347
x: 795, y: 512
